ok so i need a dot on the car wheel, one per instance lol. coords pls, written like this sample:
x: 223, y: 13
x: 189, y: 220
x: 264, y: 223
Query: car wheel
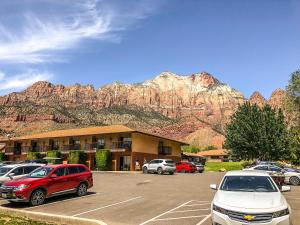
x: 82, y: 189
x: 295, y: 180
x: 159, y: 171
x: 37, y: 197
x: 145, y: 170
x: 171, y: 173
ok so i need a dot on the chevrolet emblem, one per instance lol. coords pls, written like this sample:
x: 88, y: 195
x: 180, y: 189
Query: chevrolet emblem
x: 249, y: 217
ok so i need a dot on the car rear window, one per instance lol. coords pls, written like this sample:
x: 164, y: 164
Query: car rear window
x: 81, y: 169
x: 73, y: 169
x: 170, y: 161
x: 60, y: 172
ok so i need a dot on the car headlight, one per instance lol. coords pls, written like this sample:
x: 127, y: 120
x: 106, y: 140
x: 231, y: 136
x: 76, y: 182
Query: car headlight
x: 281, y: 213
x: 21, y: 187
x: 220, y: 210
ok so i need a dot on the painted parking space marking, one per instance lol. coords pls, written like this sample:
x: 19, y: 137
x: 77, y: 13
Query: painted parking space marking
x: 176, y: 213
x: 107, y: 206
x: 60, y: 201
x: 204, y: 219
x: 189, y: 210
x: 179, y: 218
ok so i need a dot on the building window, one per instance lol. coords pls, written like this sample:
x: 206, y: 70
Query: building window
x: 101, y: 143
x: 164, y: 150
x: 215, y: 157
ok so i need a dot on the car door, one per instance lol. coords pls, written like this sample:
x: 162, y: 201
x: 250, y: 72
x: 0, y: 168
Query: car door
x: 151, y: 165
x: 72, y: 177
x: 57, y: 185
x: 17, y: 172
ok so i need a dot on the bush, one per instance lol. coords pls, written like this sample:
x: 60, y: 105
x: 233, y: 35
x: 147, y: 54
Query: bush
x: 54, y: 154
x: 2, y: 156
x: 103, y: 159
x: 190, y: 149
x: 77, y: 157
x: 216, y: 166
x: 33, y: 155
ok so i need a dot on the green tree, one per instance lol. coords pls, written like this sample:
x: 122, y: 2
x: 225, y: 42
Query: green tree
x: 190, y: 149
x: 292, y: 110
x: 257, y: 133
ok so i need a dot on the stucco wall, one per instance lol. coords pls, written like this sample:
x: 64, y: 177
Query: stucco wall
x: 149, y: 144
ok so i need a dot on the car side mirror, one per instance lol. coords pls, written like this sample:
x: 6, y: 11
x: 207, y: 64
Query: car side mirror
x: 53, y: 176
x: 285, y: 188
x: 213, y: 186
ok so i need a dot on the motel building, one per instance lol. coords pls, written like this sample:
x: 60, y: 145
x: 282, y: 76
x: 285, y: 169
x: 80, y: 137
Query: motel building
x: 126, y: 145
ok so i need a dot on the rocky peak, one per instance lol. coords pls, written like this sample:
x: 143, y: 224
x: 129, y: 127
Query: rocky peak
x: 258, y: 99
x: 206, y: 79
x: 277, y: 98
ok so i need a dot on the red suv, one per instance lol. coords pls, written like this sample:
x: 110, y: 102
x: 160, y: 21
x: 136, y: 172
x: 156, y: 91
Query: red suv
x: 48, y: 181
x: 185, y: 167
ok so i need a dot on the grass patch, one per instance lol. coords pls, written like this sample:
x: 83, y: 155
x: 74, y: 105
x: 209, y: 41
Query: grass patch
x: 216, y: 166
x: 13, y: 220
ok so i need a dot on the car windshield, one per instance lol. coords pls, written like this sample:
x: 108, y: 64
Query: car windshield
x: 4, y: 170
x: 40, y: 172
x: 248, y: 184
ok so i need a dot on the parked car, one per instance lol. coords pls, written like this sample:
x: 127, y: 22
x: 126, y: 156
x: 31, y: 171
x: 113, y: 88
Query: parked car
x: 159, y: 166
x: 199, y: 166
x: 48, y: 181
x: 249, y: 197
x: 270, y: 163
x: 267, y: 168
x: 14, y: 171
x: 291, y: 169
x: 185, y: 167
x: 289, y: 177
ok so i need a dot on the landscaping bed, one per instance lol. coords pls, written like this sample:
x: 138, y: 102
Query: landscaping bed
x: 6, y: 219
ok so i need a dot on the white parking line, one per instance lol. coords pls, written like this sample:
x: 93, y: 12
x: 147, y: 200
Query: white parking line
x: 190, y: 210
x: 197, y: 204
x: 154, y: 218
x: 205, y: 218
x: 179, y: 218
x: 103, y: 207
x: 66, y: 200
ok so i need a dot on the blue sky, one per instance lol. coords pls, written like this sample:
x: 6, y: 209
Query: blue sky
x: 249, y: 44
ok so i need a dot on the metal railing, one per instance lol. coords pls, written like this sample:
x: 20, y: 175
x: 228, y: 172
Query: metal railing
x: 121, y: 145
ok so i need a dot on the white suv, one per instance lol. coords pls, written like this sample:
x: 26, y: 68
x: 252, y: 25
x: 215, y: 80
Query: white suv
x: 15, y: 171
x: 249, y: 197
x: 160, y: 166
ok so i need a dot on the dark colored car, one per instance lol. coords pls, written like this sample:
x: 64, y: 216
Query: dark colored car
x: 48, y: 181
x: 199, y: 166
x: 185, y: 167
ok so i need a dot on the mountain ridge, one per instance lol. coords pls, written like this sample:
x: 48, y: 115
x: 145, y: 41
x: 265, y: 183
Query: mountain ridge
x: 183, y: 107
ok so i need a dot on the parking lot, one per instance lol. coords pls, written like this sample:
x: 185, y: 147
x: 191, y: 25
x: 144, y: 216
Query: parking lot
x: 123, y: 198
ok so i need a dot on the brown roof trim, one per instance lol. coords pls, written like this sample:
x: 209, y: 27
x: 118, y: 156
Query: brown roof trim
x: 158, y: 136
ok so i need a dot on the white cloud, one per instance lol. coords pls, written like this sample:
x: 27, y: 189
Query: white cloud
x: 39, y: 38
x: 21, y: 81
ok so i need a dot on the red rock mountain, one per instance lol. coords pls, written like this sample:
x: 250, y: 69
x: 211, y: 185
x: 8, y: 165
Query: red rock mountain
x: 194, y: 108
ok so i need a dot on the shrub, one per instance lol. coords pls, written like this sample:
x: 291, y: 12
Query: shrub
x: 103, y: 159
x: 77, y: 157
x: 54, y: 154
x: 2, y: 156
x: 33, y: 155
x: 217, y: 166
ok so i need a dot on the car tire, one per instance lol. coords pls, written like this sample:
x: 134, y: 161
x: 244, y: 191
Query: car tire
x: 171, y: 173
x: 145, y: 170
x: 37, y: 197
x: 294, y: 180
x: 160, y: 171
x: 81, y: 190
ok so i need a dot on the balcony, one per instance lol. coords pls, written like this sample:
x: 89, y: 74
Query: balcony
x: 121, y: 145
x: 165, y: 150
x: 70, y: 147
x: 94, y: 146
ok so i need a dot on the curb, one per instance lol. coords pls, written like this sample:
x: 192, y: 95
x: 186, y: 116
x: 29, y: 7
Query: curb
x: 51, y: 218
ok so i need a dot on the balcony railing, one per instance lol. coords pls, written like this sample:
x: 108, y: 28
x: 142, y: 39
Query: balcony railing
x: 71, y: 147
x: 165, y: 150
x: 121, y: 145
x: 94, y: 146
